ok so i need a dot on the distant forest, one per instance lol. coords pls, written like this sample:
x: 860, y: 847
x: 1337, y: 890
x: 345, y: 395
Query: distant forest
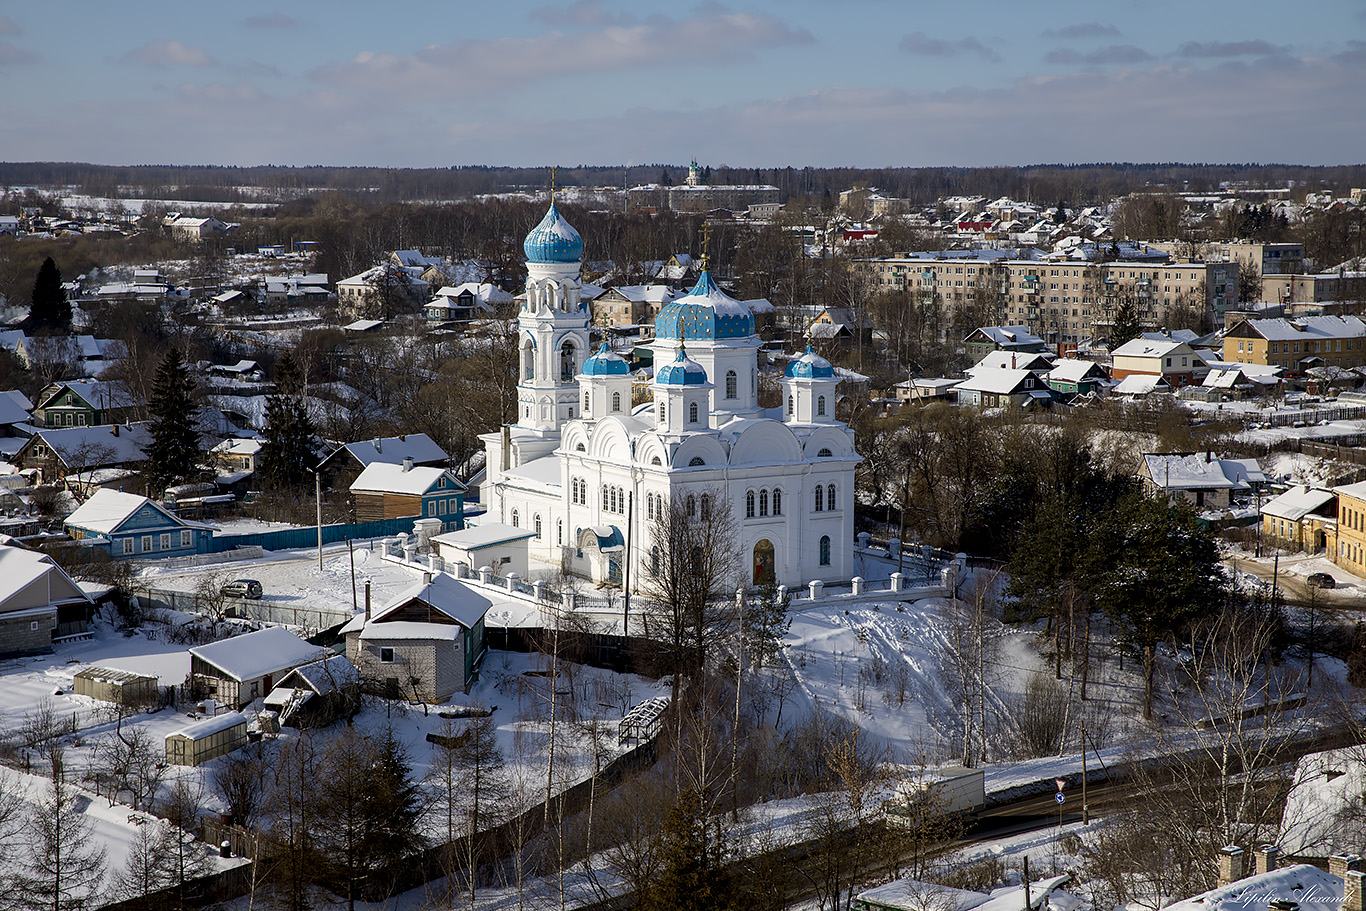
x: 1045, y: 184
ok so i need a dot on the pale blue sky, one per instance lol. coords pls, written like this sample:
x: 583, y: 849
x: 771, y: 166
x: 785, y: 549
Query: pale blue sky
x: 866, y: 83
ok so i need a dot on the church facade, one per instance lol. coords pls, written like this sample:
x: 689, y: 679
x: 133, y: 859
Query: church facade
x: 588, y: 472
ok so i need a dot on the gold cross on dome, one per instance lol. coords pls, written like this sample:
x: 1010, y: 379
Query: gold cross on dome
x: 706, y: 243
x: 553, y: 169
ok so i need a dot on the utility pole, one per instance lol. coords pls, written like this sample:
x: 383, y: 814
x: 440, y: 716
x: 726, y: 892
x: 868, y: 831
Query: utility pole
x: 1085, y: 810
x: 318, y: 496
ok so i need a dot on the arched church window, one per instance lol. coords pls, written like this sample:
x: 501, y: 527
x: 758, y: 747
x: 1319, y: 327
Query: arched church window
x: 830, y: 497
x: 820, y: 498
x: 690, y: 506
x: 536, y: 524
x: 695, y: 461
x: 820, y: 405
x: 824, y: 454
x: 606, y: 494
x: 566, y: 362
x: 706, y: 507
x: 825, y: 550
x: 514, y: 519
x: 528, y: 360
x: 616, y: 401
x: 559, y: 533
x: 777, y: 502
x: 585, y: 403
x: 661, y: 412
x: 692, y: 413
x: 656, y: 461
x: 763, y: 502
x: 791, y: 405
x: 578, y: 447
x: 731, y: 391
x: 749, y: 505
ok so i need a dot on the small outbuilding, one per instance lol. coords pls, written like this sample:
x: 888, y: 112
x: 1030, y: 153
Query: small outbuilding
x: 316, y: 694
x: 493, y: 544
x: 108, y: 684
x: 237, y: 671
x: 208, y: 738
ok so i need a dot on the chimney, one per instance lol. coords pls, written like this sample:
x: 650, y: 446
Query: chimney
x: 1264, y: 858
x: 1012, y: 362
x: 115, y: 431
x: 379, y: 445
x: 1231, y: 862
x: 1352, y: 890
x: 426, y: 578
x: 407, y: 463
x: 367, y: 599
x: 1209, y: 454
x: 1340, y: 864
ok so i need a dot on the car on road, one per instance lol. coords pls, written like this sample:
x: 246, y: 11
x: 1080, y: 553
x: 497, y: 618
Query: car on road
x: 243, y: 588
x: 1321, y: 580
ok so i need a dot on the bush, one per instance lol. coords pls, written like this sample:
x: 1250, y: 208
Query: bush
x: 1041, y: 715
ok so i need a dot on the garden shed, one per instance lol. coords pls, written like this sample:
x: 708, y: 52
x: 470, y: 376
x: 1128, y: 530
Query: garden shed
x: 239, y: 670
x: 207, y: 739
x: 110, y: 685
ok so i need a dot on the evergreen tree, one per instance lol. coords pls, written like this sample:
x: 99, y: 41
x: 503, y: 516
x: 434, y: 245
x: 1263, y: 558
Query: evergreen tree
x: 49, y: 310
x: 287, y: 455
x: 174, y: 452
x: 1126, y: 327
x: 694, y: 877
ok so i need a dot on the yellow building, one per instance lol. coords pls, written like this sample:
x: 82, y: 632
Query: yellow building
x: 1351, y: 545
x: 1295, y: 344
x: 1302, y: 518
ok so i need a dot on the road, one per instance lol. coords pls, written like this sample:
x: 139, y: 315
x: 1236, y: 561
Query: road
x: 1293, y: 588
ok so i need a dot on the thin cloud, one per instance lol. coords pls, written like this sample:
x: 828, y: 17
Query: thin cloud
x: 1114, y: 55
x: 1256, y: 48
x: 922, y: 45
x: 168, y: 53
x: 272, y: 20
x: 583, y: 14
x: 9, y: 27
x: 11, y: 53
x: 1082, y: 30
x: 480, y: 68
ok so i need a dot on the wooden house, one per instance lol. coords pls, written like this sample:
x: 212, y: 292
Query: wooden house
x: 384, y: 491
x: 134, y: 526
x: 208, y: 738
x: 84, y: 404
x: 239, y: 670
x: 426, y: 643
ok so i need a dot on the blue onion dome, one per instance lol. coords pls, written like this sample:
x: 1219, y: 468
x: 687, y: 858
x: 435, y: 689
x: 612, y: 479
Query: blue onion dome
x: 682, y: 371
x: 809, y: 366
x: 606, y: 362
x: 554, y: 240
x: 705, y: 313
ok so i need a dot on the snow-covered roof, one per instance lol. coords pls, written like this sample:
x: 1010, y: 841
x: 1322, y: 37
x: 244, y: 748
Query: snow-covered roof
x: 1141, y: 384
x: 1144, y: 347
x: 1172, y: 471
x: 211, y: 725
x: 385, y: 477
x: 444, y: 593
x: 1298, y: 502
x: 544, y: 472
x: 268, y: 651
x: 1322, y: 811
x: 1313, y: 327
x: 489, y: 534
x: 99, y: 445
x: 1012, y: 360
x: 324, y: 676
x: 913, y: 895
x: 20, y: 568
x: 1072, y: 370
x: 1308, y: 887
x: 362, y: 325
x: 107, y: 509
x: 416, y: 446
x: 410, y: 629
x: 995, y: 380
x: 1009, y: 336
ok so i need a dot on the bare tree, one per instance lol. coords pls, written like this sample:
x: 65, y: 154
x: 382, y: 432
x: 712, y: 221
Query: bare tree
x: 13, y: 809
x: 967, y: 663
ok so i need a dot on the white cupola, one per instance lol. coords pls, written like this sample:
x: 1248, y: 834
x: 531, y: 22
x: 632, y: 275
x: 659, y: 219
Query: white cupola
x: 809, y: 389
x: 605, y: 385
x: 682, y: 396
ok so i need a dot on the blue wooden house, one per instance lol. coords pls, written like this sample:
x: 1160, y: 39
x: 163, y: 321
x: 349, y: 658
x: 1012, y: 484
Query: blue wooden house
x: 133, y: 526
x: 384, y: 491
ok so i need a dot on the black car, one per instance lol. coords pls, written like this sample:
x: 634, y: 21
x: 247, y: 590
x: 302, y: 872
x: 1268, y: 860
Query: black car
x: 1321, y: 580
x: 243, y: 588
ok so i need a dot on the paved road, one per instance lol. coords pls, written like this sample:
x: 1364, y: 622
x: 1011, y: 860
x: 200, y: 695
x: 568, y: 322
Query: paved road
x: 1294, y: 588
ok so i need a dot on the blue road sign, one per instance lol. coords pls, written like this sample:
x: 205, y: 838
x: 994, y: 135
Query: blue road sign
x: 1060, y: 797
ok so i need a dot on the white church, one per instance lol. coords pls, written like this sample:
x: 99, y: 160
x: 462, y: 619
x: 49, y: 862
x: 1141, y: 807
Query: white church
x: 588, y: 473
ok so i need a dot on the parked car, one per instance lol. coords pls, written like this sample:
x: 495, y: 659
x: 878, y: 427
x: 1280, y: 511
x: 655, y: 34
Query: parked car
x: 243, y: 588
x: 1321, y: 580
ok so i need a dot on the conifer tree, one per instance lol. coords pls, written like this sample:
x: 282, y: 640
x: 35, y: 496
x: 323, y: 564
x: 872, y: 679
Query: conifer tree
x: 64, y: 868
x: 287, y: 454
x: 49, y: 310
x: 1126, y: 327
x: 174, y: 452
